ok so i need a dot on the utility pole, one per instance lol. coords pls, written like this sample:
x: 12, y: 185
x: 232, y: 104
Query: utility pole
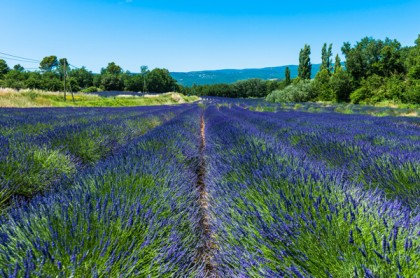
x: 143, y: 71
x: 71, y: 91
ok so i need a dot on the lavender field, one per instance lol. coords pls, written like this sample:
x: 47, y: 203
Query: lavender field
x: 214, y: 189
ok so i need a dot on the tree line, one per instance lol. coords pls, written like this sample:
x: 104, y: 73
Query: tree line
x: 57, y: 75
x: 374, y: 71
x: 241, y: 89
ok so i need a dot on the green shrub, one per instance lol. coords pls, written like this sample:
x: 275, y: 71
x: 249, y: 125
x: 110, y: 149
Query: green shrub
x: 412, y: 94
x: 299, y: 92
x: 369, y: 87
x: 342, y: 85
x: 91, y: 89
x: 322, y: 86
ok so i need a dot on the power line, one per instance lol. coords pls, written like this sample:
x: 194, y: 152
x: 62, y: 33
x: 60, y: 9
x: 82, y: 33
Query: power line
x: 25, y: 60
x: 74, y: 66
x: 13, y: 59
x: 33, y: 60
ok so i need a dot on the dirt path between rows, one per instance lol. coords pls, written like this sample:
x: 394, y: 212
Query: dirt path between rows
x: 206, y: 252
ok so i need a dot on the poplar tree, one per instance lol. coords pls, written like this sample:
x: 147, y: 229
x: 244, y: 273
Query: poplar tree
x: 305, y: 66
x: 326, y: 55
x: 337, y: 64
x: 287, y: 76
x: 323, y: 56
x: 329, y: 55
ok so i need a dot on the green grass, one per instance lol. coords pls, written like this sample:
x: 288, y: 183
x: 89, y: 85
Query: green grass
x: 31, y: 98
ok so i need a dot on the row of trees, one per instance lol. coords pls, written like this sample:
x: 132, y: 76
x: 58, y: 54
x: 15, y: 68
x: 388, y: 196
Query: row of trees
x: 375, y: 70
x: 57, y: 75
x: 241, y: 89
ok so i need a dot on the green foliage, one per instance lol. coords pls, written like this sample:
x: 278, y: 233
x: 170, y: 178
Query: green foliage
x: 160, y: 81
x: 133, y: 82
x: 82, y: 77
x: 305, y: 66
x: 111, y: 82
x: 4, y: 68
x: 18, y: 67
x: 365, y: 93
x: 49, y: 63
x: 322, y: 86
x: 412, y: 94
x: 287, y: 76
x: 242, y: 89
x: 112, y: 69
x: 91, y: 89
x: 251, y: 88
x: 341, y: 84
x: 375, y: 89
x: 34, y: 81
x: 51, y: 82
x: 326, y: 57
x: 299, y: 92
x: 337, y: 64
x: 370, y: 56
x: 15, y: 79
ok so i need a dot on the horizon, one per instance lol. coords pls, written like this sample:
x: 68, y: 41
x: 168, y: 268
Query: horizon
x: 187, y: 36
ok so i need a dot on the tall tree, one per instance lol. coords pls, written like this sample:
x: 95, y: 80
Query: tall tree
x: 287, y: 76
x: 322, y: 86
x: 48, y: 63
x: 19, y: 68
x: 326, y: 57
x: 160, y: 81
x: 4, y: 68
x: 337, y: 64
x: 329, y: 55
x: 83, y: 77
x: 305, y: 66
x: 113, y: 69
x: 370, y: 56
x: 413, y: 60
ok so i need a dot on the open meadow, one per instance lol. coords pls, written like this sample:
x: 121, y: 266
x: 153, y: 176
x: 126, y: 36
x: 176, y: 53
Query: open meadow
x: 219, y: 188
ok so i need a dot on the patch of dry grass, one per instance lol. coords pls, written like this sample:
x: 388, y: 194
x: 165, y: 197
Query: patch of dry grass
x: 37, y: 98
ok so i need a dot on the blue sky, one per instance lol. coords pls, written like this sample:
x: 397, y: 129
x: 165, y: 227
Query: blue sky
x: 190, y: 35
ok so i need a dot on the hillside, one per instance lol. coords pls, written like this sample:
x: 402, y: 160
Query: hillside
x: 233, y: 75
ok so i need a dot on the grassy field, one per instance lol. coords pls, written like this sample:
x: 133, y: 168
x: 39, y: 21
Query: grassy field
x: 35, y: 98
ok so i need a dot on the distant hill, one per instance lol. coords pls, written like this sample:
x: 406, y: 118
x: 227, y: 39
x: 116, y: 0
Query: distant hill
x: 233, y: 75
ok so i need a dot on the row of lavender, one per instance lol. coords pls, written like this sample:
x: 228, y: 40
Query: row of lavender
x: 313, y: 195
x: 133, y: 215
x: 380, y: 153
x: 45, y: 147
x: 345, y: 108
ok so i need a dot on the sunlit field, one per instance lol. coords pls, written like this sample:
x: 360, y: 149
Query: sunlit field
x: 220, y: 188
